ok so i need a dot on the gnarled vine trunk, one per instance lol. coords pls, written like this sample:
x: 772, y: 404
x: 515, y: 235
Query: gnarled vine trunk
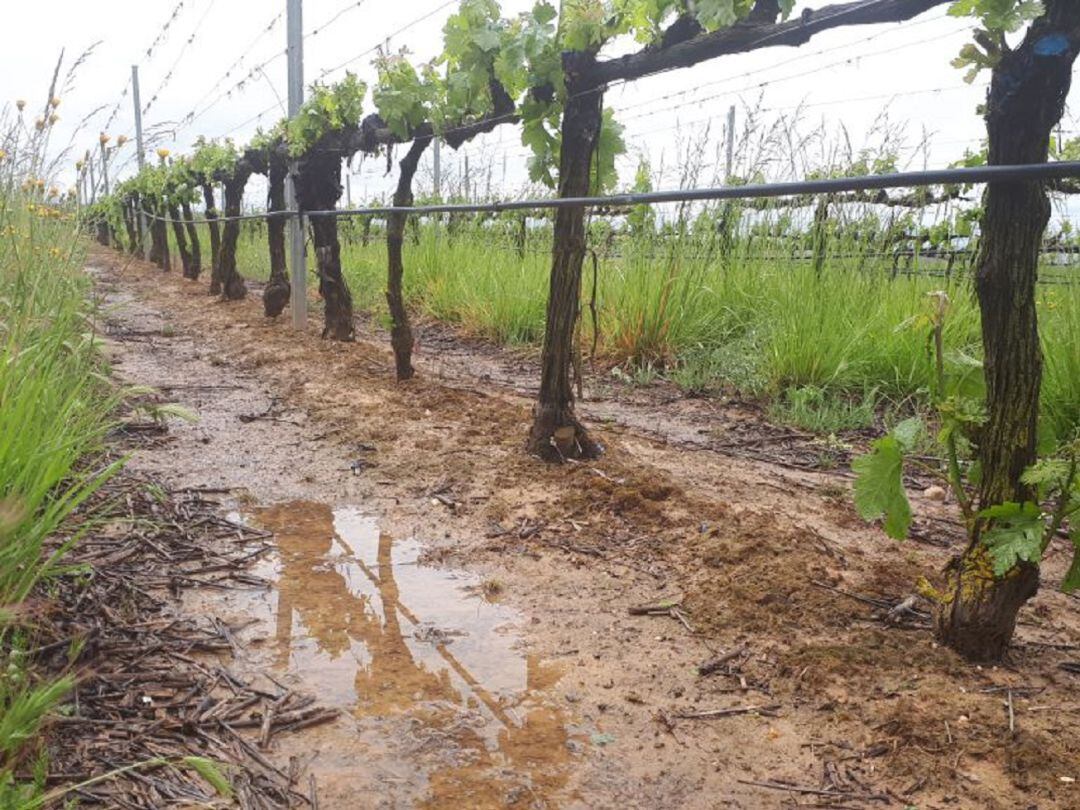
x: 101, y: 231
x: 401, y: 336
x: 215, y: 238
x: 318, y: 188
x: 159, y: 238
x: 232, y: 283
x: 181, y: 242
x: 193, y: 239
x: 131, y: 218
x: 556, y: 433
x: 278, y: 289
x: 1026, y: 101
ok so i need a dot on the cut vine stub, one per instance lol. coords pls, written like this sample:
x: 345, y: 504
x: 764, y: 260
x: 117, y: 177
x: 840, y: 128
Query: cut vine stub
x: 558, y: 440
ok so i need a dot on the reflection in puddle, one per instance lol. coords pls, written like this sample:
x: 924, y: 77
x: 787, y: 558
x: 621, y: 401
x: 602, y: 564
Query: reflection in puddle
x: 371, y: 630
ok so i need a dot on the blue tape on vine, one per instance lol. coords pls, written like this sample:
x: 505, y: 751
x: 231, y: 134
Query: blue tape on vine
x: 1052, y: 45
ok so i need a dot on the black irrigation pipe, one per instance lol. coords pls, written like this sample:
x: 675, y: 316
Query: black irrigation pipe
x: 936, y: 177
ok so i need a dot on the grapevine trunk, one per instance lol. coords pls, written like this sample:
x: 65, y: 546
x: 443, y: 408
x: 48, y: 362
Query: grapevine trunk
x: 193, y: 239
x: 278, y: 289
x: 232, y: 283
x: 215, y: 239
x: 318, y: 188
x: 1025, y: 103
x: 401, y: 336
x: 556, y: 433
x: 181, y: 242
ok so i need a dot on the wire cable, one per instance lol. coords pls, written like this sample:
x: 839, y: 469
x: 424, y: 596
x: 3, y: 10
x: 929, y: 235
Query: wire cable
x: 1032, y: 172
x: 323, y: 74
x: 782, y: 79
x: 800, y: 58
x: 183, y: 49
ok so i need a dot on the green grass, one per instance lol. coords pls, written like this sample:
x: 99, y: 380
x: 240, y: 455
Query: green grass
x: 54, y: 412
x: 754, y: 323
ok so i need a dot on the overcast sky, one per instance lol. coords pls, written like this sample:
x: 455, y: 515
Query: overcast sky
x: 845, y: 77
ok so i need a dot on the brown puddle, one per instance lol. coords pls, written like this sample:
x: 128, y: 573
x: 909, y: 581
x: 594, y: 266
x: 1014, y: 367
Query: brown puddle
x: 440, y: 707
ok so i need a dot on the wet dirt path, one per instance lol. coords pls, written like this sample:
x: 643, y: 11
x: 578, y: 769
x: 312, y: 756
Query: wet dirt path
x: 489, y: 687
x: 466, y: 608
x: 441, y: 703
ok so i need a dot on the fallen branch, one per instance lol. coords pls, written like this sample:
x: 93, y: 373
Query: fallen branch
x: 710, y: 714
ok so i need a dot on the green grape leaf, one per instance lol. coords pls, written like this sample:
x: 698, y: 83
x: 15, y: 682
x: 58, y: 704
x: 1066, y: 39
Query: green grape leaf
x: 908, y: 432
x: 610, y: 145
x: 714, y: 14
x: 1046, y: 473
x: 1015, y: 535
x: 879, y: 486
x: 486, y: 39
x: 1072, y: 577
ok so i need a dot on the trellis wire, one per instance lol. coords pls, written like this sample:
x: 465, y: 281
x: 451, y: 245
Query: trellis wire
x: 934, y: 177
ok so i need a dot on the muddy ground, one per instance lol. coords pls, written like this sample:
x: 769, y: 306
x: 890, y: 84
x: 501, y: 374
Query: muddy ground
x: 468, y: 608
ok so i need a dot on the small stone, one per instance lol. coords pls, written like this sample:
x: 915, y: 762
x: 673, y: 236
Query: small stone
x: 935, y: 494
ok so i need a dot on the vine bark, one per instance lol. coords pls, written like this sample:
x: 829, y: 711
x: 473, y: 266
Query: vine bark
x: 401, y: 336
x: 193, y: 239
x: 233, y: 287
x: 215, y: 238
x: 556, y: 433
x: 318, y: 188
x: 1025, y: 103
x: 277, y: 292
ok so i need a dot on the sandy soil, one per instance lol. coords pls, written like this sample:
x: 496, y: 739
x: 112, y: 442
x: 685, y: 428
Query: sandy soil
x: 468, y: 607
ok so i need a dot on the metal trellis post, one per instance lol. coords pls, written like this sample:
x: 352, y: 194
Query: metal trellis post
x: 140, y: 153
x: 729, y: 163
x: 297, y: 263
x: 437, y: 170
x: 105, y: 168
